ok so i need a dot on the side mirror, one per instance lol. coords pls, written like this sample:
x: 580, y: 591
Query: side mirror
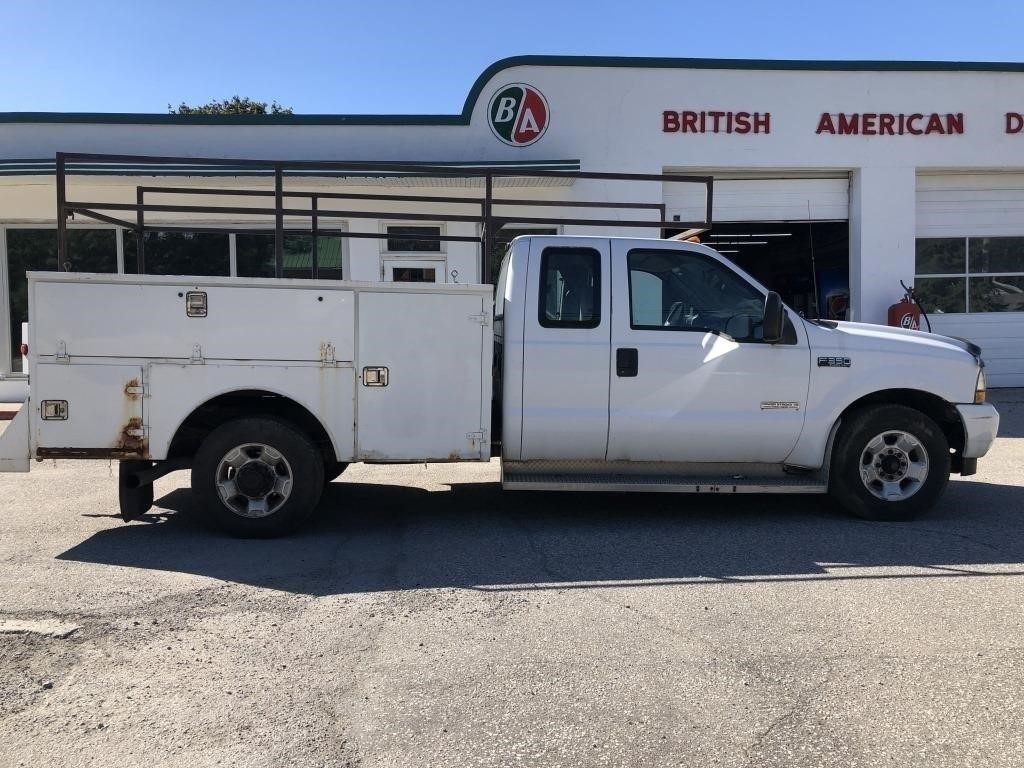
x: 774, y: 318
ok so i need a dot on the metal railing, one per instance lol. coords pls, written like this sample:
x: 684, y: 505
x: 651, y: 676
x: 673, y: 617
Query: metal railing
x: 488, y: 220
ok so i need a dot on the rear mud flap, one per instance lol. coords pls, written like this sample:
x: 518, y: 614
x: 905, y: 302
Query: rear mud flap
x: 133, y: 497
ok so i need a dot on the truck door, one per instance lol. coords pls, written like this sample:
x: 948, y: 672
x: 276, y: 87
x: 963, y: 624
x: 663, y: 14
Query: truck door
x: 566, y: 337
x: 693, y: 381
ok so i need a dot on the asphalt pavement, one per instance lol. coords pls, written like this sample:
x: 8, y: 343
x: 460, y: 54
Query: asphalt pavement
x: 425, y: 618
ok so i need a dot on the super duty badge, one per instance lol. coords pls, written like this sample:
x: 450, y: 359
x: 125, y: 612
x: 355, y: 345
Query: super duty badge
x: 834, y: 362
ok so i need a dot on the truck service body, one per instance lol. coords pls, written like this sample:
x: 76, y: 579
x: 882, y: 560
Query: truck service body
x: 601, y: 364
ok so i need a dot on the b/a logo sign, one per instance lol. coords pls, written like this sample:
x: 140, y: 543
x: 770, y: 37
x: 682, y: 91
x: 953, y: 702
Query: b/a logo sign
x: 519, y: 114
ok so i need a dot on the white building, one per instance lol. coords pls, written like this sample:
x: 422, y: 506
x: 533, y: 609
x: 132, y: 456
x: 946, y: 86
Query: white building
x: 834, y: 181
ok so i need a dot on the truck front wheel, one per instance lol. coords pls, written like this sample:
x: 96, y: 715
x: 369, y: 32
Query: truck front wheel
x: 258, y: 477
x: 890, y: 462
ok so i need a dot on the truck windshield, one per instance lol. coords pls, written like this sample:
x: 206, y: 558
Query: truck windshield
x: 683, y: 290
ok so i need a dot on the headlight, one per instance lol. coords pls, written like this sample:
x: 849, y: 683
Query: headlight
x: 979, y: 388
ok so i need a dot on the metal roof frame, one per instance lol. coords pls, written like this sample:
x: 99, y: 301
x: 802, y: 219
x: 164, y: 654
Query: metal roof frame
x: 489, y: 222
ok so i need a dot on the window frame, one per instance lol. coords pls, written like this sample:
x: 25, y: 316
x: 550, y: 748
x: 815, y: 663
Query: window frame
x: 967, y: 274
x: 542, y: 318
x: 338, y: 231
x: 226, y: 230
x: 390, y: 263
x: 442, y: 245
x: 699, y: 329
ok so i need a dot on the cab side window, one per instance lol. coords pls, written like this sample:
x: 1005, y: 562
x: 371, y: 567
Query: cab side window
x: 570, y: 288
x: 677, y: 290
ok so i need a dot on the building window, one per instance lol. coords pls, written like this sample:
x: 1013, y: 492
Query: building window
x: 28, y: 250
x: 414, y: 275
x: 570, y: 288
x: 180, y: 253
x: 409, y: 238
x: 255, y: 256
x: 970, y: 274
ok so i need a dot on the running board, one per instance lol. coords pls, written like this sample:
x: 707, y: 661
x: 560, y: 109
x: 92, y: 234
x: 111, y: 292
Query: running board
x: 619, y: 477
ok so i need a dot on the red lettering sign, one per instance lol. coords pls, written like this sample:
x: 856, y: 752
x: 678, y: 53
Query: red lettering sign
x: 831, y: 123
x: 893, y: 124
x: 715, y: 121
x: 1014, y: 122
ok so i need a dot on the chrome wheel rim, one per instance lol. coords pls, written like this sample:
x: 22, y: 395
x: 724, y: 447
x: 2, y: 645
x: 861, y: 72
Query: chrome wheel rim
x: 254, y: 480
x: 894, y: 465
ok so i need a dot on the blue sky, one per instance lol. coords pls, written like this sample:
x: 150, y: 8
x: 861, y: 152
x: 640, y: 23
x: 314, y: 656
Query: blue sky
x: 422, y: 57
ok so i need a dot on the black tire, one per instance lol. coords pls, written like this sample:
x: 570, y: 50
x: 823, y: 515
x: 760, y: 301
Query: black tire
x: 333, y: 470
x: 133, y: 500
x: 303, y: 464
x: 853, y: 455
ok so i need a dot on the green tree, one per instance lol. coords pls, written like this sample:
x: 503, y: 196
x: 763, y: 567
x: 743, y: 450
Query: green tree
x: 236, y: 105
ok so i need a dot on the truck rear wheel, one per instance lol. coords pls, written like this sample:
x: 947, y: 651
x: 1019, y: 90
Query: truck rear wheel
x: 258, y: 477
x: 890, y: 462
x: 333, y: 470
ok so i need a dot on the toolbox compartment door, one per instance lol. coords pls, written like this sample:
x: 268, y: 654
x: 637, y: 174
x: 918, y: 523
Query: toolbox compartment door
x: 89, y: 410
x: 423, y: 377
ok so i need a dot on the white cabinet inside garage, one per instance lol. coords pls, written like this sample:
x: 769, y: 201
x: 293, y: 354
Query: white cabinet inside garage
x: 975, y: 206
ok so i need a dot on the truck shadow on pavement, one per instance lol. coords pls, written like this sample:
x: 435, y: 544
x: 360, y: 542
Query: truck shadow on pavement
x: 368, y: 537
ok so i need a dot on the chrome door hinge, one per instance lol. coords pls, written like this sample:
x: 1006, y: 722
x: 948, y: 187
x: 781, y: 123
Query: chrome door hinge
x: 197, y: 354
x: 62, y: 352
x: 483, y: 319
x: 477, y: 437
x: 139, y: 391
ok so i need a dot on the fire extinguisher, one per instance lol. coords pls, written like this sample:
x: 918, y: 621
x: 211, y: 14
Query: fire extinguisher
x: 907, y: 312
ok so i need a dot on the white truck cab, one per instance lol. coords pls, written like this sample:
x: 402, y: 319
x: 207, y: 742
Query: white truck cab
x: 620, y: 364
x: 646, y: 364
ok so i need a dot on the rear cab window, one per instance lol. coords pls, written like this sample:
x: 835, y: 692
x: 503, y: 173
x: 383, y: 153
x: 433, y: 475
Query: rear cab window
x: 570, y: 288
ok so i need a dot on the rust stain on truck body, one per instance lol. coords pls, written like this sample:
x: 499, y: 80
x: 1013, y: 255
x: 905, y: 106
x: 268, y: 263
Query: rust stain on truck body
x: 130, y: 389
x: 131, y: 442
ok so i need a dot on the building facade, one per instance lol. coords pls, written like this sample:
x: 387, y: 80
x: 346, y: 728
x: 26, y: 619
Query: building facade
x: 834, y: 182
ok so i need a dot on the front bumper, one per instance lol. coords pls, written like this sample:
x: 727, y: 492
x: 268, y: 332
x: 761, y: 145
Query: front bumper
x: 981, y: 423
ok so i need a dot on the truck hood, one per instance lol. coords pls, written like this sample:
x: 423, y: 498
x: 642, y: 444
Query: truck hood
x: 868, y: 336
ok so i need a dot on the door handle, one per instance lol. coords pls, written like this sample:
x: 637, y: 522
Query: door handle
x: 627, y: 361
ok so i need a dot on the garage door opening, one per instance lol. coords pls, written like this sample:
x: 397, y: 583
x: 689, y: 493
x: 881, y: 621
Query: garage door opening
x: 803, y: 261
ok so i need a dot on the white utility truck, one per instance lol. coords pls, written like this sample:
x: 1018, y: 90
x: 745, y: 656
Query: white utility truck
x: 602, y: 364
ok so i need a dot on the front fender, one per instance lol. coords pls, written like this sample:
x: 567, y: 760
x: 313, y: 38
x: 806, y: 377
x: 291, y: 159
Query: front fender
x: 981, y: 424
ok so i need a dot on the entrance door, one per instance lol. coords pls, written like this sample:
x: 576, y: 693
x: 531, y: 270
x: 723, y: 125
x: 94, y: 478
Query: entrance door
x: 565, y: 350
x: 693, y: 380
x: 414, y: 271
x: 807, y: 263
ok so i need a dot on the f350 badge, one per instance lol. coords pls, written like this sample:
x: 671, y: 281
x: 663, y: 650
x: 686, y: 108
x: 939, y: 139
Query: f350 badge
x: 834, y: 362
